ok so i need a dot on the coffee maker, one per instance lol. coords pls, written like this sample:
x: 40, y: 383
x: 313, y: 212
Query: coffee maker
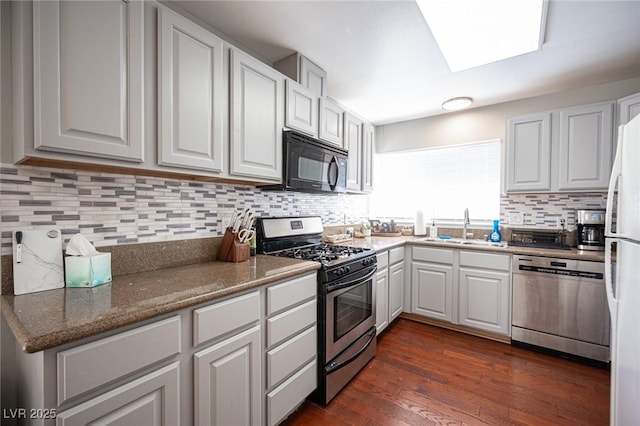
x: 590, y: 229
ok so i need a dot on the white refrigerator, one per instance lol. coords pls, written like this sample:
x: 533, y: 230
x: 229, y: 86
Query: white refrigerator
x: 622, y: 231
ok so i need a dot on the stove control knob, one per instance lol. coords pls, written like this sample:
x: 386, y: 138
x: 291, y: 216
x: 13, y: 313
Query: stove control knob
x: 340, y: 271
x: 347, y: 269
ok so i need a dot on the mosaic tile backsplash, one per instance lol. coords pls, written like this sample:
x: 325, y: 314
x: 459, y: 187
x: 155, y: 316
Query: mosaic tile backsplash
x: 543, y: 210
x: 111, y: 209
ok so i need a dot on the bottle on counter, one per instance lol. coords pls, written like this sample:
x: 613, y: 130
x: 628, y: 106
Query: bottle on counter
x: 433, y: 230
x: 496, y: 235
x: 252, y: 245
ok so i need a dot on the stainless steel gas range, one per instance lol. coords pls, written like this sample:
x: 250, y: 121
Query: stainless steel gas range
x: 346, y: 297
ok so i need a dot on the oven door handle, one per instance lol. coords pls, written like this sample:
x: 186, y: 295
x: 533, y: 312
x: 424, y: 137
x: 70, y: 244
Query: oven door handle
x: 339, y: 286
x: 338, y: 365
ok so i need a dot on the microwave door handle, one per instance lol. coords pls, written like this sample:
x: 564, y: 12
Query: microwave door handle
x: 333, y: 162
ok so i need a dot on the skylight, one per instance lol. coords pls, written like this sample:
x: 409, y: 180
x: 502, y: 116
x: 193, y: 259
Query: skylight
x: 477, y: 32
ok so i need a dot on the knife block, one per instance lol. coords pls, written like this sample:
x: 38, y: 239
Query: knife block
x: 232, y: 250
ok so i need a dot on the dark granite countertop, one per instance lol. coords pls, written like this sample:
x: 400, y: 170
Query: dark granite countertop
x: 384, y: 243
x: 51, y: 318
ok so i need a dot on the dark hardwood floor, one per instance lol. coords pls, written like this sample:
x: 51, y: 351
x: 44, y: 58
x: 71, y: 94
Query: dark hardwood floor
x: 427, y: 375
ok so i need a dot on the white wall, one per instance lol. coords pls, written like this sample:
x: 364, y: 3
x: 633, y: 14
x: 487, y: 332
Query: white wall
x: 488, y: 122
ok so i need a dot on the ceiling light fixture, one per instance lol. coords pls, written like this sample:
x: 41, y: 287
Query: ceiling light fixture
x: 455, y: 104
x: 471, y: 33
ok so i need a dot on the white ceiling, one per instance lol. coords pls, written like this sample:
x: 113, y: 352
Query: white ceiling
x: 383, y: 63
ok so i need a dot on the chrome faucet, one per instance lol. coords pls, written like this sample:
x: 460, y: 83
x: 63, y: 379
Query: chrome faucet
x: 465, y: 222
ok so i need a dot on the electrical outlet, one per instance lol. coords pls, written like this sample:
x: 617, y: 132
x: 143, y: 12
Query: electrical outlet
x: 561, y: 222
x: 516, y: 218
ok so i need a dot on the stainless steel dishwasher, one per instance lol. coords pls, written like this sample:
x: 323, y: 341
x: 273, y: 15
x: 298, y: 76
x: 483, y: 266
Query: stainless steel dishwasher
x: 561, y: 304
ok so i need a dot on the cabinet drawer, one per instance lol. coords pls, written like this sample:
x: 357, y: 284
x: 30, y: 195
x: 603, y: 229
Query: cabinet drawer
x: 89, y: 366
x: 396, y: 255
x: 221, y: 318
x: 290, y: 293
x: 500, y: 262
x: 283, y: 399
x: 132, y: 403
x: 429, y: 254
x: 290, y: 322
x: 289, y: 356
x: 382, y: 260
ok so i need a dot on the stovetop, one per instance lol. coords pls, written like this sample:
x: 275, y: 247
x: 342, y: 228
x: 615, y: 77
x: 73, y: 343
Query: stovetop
x: 327, y: 254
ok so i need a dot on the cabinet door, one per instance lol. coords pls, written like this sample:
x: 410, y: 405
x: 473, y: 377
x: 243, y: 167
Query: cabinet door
x: 191, y: 94
x: 484, y: 299
x: 150, y: 400
x: 331, y: 120
x: 628, y: 108
x: 353, y: 144
x: 396, y: 290
x: 432, y: 290
x: 256, y: 118
x: 529, y: 153
x: 88, y: 78
x: 227, y: 384
x: 367, y: 157
x: 382, y: 297
x: 301, y: 108
x: 313, y: 77
x: 584, y: 158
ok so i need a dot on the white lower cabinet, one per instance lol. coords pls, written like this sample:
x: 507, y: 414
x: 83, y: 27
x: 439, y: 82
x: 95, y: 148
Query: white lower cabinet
x: 382, y: 300
x: 290, y: 346
x: 226, y: 381
x: 151, y: 400
x: 469, y: 288
x: 247, y: 359
x: 396, y: 289
x: 432, y: 288
x: 389, y: 287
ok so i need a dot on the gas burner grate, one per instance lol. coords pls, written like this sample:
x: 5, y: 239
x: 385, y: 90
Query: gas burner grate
x: 323, y: 253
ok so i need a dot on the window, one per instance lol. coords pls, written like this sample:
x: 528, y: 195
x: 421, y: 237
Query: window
x: 441, y: 182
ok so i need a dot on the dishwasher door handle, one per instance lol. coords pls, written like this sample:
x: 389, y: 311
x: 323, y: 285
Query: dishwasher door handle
x: 561, y: 264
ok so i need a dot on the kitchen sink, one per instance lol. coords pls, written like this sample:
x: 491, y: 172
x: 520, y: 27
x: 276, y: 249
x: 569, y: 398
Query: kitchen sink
x: 467, y: 242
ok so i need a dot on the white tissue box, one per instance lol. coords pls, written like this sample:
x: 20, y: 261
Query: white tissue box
x: 87, y: 271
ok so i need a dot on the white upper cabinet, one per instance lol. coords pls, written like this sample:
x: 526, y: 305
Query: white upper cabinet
x: 301, y: 111
x: 88, y: 78
x: 256, y: 111
x: 353, y: 144
x: 313, y: 77
x: 331, y: 122
x: 585, y: 146
x: 191, y: 94
x: 628, y: 107
x: 305, y: 72
x: 563, y: 150
x: 529, y: 153
x: 368, y: 149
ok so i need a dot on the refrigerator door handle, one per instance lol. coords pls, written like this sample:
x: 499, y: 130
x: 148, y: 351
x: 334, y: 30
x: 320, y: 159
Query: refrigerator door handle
x: 616, y: 170
x: 608, y: 279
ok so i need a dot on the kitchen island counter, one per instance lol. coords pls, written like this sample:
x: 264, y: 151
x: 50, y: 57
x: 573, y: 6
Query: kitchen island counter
x: 51, y: 318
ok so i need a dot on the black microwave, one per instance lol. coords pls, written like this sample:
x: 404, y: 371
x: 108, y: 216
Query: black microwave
x: 310, y: 165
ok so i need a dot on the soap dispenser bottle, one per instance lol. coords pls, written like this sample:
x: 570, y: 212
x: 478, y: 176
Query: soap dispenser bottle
x: 495, y: 235
x: 433, y: 230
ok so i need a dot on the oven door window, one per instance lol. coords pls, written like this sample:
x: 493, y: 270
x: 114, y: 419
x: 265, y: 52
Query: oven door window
x: 351, y: 308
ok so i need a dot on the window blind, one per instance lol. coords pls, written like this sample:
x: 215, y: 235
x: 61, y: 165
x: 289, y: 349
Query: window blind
x: 441, y: 182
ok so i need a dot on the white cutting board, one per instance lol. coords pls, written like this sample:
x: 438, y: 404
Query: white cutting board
x: 40, y: 267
